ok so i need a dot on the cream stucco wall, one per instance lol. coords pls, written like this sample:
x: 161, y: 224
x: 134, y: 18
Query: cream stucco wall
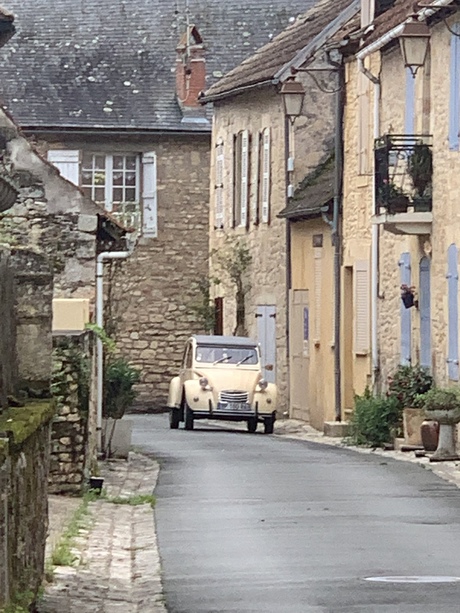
x: 312, y: 140
x: 432, y: 114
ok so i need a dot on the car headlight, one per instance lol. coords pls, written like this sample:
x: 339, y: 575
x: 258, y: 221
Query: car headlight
x: 263, y: 384
x: 204, y: 383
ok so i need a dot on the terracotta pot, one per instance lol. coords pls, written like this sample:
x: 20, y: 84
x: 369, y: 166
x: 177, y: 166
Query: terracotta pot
x: 429, y: 431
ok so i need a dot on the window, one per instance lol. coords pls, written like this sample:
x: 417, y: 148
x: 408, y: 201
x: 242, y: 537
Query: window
x: 123, y: 183
x: 219, y: 186
x: 241, y: 178
x: 114, y: 182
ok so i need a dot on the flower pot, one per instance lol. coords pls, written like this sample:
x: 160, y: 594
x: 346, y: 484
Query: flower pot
x: 408, y: 299
x: 96, y: 484
x: 412, y: 423
x: 398, y: 204
x: 423, y: 204
x: 430, y: 434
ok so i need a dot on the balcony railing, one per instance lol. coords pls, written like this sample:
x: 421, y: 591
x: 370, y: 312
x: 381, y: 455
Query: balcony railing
x: 403, y: 173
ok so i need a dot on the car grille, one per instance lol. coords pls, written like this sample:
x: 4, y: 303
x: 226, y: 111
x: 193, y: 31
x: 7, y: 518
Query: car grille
x: 234, y: 396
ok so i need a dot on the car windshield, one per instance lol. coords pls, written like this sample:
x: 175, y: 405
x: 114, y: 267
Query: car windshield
x: 211, y: 354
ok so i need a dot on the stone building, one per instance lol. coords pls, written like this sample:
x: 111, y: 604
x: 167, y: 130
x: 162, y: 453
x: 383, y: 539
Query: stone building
x: 400, y: 223
x: 119, y: 116
x: 271, y: 193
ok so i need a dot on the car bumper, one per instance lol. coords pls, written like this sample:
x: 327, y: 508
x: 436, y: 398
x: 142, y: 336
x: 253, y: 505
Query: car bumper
x: 229, y: 414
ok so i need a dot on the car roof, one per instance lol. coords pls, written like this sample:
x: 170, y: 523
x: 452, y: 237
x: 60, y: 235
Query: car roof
x: 239, y: 341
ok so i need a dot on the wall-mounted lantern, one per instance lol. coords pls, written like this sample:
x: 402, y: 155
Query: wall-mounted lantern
x: 414, y: 41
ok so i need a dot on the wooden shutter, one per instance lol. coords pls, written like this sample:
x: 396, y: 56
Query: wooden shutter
x: 318, y: 269
x: 266, y: 175
x: 219, y: 316
x: 258, y: 184
x: 219, y: 187
x: 425, y: 313
x: 244, y: 196
x: 362, y: 316
x: 68, y: 163
x: 454, y: 107
x: 452, y: 297
x: 409, y: 117
x: 149, y: 195
x: 405, y: 314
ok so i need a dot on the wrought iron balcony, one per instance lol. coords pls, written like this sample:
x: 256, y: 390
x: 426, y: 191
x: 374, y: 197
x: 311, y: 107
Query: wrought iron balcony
x: 403, y: 174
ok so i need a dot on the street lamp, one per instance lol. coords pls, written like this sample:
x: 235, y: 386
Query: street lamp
x: 414, y: 41
x: 293, y: 94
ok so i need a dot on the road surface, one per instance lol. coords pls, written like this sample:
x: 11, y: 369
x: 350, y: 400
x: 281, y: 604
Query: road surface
x: 261, y: 524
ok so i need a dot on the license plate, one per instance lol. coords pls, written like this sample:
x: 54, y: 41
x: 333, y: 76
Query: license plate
x: 235, y: 406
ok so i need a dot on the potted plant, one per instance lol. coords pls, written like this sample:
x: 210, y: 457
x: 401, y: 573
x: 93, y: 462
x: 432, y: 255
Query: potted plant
x: 420, y: 169
x: 443, y: 405
x: 119, y: 394
x: 393, y: 198
x: 409, y: 384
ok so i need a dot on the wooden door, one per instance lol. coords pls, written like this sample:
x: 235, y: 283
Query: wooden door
x: 299, y: 351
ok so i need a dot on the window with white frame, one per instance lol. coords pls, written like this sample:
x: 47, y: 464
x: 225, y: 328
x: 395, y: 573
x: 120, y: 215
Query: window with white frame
x: 265, y: 175
x: 123, y: 183
x: 241, y: 175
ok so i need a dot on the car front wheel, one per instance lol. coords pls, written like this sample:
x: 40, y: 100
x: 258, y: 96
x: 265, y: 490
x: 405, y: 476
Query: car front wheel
x: 252, y: 424
x: 188, y: 418
x: 269, y: 425
x: 174, y: 418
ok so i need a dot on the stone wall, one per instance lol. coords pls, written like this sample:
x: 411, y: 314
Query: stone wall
x: 8, y: 361
x: 70, y: 386
x: 311, y: 140
x: 24, y: 465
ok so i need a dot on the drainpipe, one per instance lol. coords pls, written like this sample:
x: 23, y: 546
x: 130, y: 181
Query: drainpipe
x: 101, y: 258
x: 375, y: 238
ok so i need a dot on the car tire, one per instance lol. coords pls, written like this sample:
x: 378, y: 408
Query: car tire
x: 252, y: 424
x: 188, y: 418
x: 269, y: 425
x: 174, y: 418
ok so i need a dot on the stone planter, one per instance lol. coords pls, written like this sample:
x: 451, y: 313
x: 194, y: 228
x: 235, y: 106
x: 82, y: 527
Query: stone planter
x: 412, y: 422
x: 447, y: 420
x: 119, y: 433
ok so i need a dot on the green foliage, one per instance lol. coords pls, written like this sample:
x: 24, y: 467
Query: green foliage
x: 204, y: 309
x: 447, y: 399
x: 20, y: 603
x: 119, y: 380
x: 63, y: 554
x: 107, y: 341
x: 374, y: 420
x: 420, y: 168
x: 134, y: 500
x: 408, y: 384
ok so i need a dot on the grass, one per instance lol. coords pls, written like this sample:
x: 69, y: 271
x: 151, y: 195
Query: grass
x: 63, y: 554
x: 134, y: 500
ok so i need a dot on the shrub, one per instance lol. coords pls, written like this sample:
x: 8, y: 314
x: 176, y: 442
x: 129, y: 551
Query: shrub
x: 408, y: 384
x: 374, y: 420
x: 119, y: 379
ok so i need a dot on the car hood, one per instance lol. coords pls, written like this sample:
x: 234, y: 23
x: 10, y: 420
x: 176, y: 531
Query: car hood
x: 236, y: 379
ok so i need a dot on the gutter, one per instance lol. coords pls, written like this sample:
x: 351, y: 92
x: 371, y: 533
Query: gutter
x: 235, y: 91
x: 397, y: 31
x: 30, y: 130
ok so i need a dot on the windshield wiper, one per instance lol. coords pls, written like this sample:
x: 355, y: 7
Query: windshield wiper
x: 221, y: 360
x: 244, y: 360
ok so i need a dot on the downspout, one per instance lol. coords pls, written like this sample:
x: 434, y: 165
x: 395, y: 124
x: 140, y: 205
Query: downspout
x: 101, y: 258
x: 336, y: 238
x: 287, y: 152
x: 375, y: 247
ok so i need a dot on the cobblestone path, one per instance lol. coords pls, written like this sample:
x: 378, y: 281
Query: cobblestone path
x: 119, y: 565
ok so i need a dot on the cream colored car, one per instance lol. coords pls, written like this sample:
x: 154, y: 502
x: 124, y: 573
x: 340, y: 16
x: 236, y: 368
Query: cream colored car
x: 221, y: 378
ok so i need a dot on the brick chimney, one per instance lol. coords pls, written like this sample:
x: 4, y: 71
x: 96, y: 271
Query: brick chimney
x: 190, y: 69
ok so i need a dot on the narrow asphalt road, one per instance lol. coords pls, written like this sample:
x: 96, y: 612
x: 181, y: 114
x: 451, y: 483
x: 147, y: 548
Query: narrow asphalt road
x: 260, y: 524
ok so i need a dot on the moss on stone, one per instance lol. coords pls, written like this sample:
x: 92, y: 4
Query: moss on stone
x: 22, y: 422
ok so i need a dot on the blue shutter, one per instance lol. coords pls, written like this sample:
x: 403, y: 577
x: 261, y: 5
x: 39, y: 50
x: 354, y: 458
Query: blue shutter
x: 409, y: 119
x: 406, y: 316
x: 452, y: 294
x: 425, y: 313
x: 454, y: 119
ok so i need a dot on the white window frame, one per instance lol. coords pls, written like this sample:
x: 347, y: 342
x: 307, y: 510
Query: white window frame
x: 266, y: 176
x: 219, y: 214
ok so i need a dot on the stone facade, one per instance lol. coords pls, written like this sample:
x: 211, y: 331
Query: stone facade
x: 310, y: 141
x: 149, y: 306
x: 431, y: 114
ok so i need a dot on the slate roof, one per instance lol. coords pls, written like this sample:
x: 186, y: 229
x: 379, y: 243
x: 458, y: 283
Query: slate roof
x: 263, y: 66
x: 110, y: 63
x: 315, y: 192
